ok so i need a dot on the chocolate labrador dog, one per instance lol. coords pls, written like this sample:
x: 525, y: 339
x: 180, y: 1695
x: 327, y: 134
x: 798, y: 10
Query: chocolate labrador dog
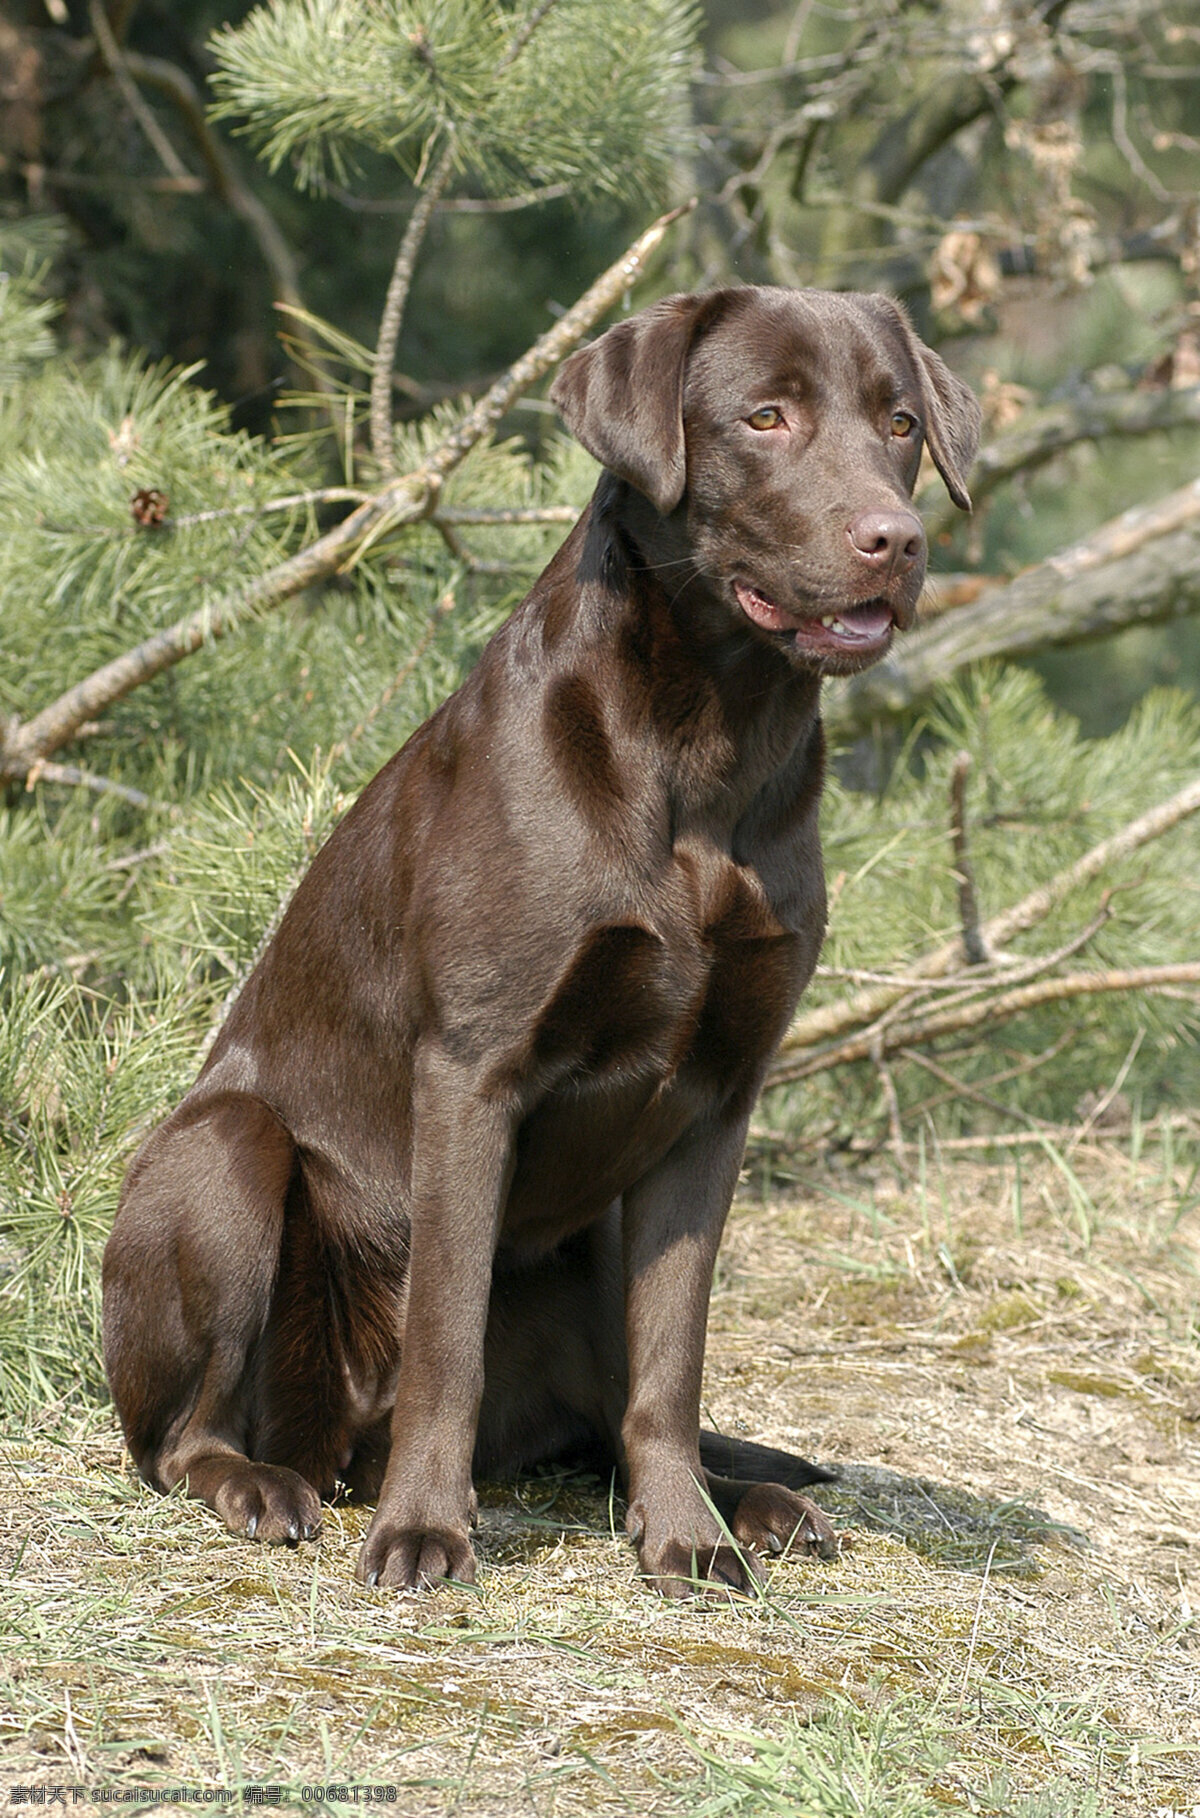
x: 447, y: 1194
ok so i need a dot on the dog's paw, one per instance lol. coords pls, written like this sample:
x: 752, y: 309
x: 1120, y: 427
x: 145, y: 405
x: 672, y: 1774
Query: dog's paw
x: 770, y: 1519
x: 399, y: 1558
x: 267, y: 1502
x: 679, y: 1569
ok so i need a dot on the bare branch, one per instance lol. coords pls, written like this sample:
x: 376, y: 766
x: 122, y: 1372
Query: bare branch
x: 73, y: 778
x: 1105, y: 1099
x: 276, y: 253
x: 1028, y: 1063
x: 404, y: 500
x: 968, y: 907
x: 393, y: 310
x: 521, y: 514
x: 891, y: 1101
x: 791, y: 45
x: 292, y: 501
x: 830, y: 1021
x: 451, y: 205
x: 990, y: 1009
x: 959, y: 1088
x: 117, y: 67
x: 526, y: 29
x: 1172, y: 1121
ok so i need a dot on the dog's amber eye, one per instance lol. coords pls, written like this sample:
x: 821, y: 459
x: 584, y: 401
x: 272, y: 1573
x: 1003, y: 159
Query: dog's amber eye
x: 769, y: 417
x: 903, y: 422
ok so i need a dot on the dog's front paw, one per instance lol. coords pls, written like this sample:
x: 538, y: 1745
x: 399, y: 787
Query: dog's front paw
x: 407, y: 1558
x: 681, y: 1569
x: 774, y: 1520
x: 703, y: 1563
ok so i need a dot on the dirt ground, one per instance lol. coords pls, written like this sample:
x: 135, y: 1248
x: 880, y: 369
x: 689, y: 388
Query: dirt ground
x: 1002, y: 1362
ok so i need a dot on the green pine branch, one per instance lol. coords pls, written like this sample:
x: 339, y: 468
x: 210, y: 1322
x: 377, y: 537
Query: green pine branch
x: 596, y: 97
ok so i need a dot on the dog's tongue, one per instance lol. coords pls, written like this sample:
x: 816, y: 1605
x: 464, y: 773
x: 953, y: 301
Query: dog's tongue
x: 868, y: 621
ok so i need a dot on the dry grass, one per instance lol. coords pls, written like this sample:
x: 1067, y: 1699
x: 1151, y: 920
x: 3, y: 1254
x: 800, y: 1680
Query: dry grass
x: 1006, y: 1364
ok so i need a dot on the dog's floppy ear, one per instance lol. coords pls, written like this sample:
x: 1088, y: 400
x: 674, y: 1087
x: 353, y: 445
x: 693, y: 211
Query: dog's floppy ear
x: 622, y: 397
x: 951, y: 410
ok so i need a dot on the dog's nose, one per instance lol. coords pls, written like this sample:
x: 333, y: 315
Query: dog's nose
x: 891, y: 541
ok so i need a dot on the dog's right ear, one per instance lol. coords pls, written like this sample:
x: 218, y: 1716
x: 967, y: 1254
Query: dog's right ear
x: 622, y: 397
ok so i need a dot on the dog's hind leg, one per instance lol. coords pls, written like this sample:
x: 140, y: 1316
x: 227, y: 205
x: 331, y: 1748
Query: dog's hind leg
x: 761, y: 1511
x: 189, y: 1275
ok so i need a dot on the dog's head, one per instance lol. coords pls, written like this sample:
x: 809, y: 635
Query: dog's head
x: 781, y: 432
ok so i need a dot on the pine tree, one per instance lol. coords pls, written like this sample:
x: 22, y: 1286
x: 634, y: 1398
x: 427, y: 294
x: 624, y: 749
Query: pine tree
x: 209, y: 640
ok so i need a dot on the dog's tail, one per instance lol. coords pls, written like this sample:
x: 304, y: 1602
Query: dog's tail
x: 751, y: 1463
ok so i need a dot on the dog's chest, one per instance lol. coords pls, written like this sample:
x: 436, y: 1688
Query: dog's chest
x: 723, y: 934
x: 661, y: 1019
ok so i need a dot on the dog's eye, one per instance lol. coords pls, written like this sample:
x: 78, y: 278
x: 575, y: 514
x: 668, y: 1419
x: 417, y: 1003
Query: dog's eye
x: 769, y: 417
x: 903, y: 423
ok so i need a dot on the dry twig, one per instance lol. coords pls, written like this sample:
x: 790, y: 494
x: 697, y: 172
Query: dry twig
x: 382, y: 446
x: 968, y: 907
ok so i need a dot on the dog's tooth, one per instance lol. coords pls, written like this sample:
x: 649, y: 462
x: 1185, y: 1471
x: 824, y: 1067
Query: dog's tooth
x: 828, y: 620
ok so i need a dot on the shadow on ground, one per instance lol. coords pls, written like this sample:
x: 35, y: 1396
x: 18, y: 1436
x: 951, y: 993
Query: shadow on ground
x: 947, y: 1525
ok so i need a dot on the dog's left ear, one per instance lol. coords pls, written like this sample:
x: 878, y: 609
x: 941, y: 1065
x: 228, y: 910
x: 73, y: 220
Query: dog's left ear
x: 622, y: 397
x: 952, y: 415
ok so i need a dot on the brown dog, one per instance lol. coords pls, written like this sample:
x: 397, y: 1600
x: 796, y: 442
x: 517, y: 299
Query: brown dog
x: 450, y: 1185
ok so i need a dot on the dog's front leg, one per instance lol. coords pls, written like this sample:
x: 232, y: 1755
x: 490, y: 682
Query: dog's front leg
x: 673, y: 1219
x: 462, y: 1166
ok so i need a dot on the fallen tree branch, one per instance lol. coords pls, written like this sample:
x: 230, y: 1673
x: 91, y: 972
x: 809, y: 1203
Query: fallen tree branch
x: 831, y: 1021
x: 1028, y: 1063
x: 1041, y: 434
x: 992, y: 1007
x: 404, y: 500
x: 1140, y: 569
x: 960, y: 1088
x: 968, y: 987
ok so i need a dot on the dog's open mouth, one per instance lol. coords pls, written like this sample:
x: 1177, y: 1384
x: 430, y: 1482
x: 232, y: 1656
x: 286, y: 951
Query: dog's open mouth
x: 860, y: 629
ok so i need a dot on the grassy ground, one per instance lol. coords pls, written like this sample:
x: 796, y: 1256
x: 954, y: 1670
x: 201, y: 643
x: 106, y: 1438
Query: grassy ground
x: 1004, y: 1363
